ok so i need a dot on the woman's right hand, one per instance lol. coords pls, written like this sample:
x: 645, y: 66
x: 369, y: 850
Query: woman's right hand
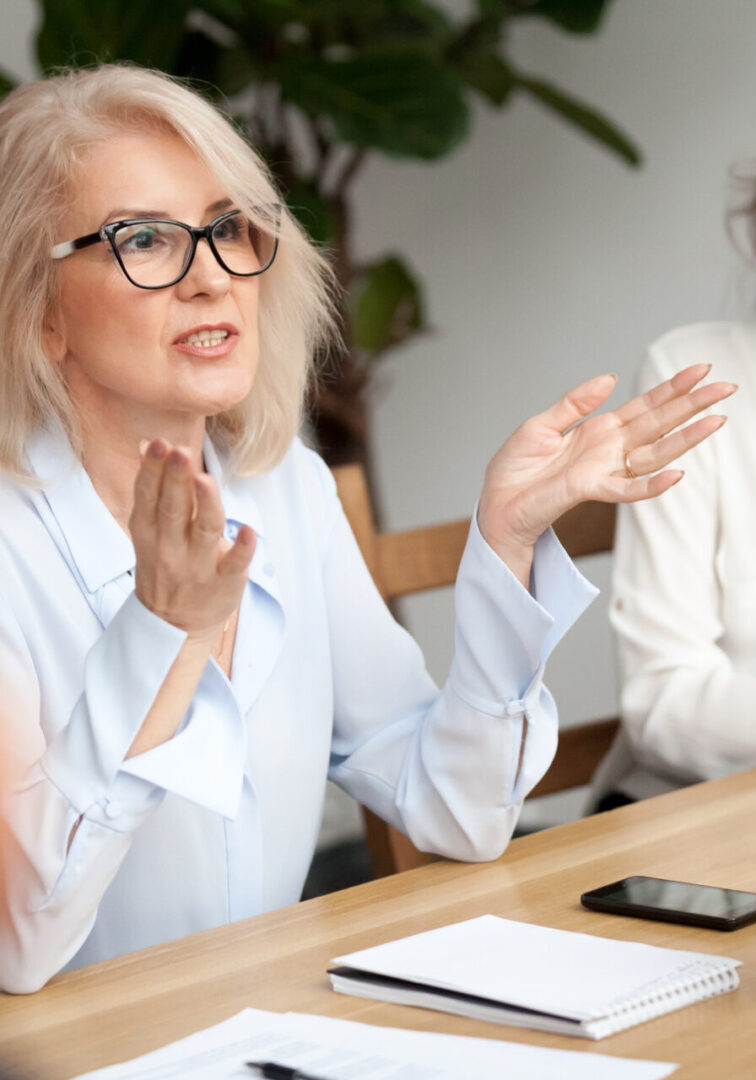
x: 187, y: 573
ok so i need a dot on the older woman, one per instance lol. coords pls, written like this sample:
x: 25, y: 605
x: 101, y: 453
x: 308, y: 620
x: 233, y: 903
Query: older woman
x: 189, y: 641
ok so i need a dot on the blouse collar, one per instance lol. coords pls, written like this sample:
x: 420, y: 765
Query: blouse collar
x: 98, y: 546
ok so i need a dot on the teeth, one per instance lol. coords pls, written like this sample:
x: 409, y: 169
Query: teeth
x: 205, y: 338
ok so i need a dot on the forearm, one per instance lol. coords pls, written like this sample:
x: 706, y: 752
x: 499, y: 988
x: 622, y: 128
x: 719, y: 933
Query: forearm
x: 49, y: 897
x: 692, y: 723
x: 174, y: 696
x: 450, y: 768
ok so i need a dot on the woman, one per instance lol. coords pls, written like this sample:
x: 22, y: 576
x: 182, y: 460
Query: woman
x: 189, y: 640
x: 685, y: 596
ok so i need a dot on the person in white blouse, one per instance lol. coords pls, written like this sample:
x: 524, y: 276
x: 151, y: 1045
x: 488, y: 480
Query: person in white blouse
x: 684, y: 595
x: 190, y: 642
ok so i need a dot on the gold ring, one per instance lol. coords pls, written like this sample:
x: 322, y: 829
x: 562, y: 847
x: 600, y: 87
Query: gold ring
x: 628, y: 467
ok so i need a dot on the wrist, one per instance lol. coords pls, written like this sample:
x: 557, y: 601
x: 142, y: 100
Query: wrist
x: 513, y: 550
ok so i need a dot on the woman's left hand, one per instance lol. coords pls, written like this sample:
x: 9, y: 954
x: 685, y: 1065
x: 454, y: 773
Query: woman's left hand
x: 564, y: 456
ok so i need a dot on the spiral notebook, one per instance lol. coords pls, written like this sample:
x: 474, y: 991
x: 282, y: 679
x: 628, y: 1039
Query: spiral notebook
x: 534, y: 976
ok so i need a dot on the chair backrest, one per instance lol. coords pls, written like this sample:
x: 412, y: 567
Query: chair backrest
x: 414, y: 560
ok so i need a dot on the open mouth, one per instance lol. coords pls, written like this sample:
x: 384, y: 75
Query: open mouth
x: 204, y: 339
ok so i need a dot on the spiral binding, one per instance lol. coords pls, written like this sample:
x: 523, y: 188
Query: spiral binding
x: 697, y: 981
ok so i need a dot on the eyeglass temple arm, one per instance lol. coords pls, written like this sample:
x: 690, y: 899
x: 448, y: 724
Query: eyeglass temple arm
x: 67, y: 247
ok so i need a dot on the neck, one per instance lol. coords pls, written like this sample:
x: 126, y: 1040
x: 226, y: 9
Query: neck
x: 111, y: 452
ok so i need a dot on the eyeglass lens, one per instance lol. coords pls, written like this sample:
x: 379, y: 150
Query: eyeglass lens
x: 155, y: 253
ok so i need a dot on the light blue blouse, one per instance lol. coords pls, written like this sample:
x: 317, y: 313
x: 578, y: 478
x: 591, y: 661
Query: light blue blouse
x: 221, y: 821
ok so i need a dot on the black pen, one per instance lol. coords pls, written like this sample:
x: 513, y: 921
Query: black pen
x: 272, y: 1071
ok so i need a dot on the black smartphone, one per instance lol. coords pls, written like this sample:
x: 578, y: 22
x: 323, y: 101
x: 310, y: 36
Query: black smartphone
x: 674, y: 901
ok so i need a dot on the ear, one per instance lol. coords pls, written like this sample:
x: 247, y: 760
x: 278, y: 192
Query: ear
x: 53, y: 339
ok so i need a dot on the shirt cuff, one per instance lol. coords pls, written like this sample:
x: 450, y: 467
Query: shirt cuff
x: 504, y: 633
x: 123, y: 672
x: 204, y: 761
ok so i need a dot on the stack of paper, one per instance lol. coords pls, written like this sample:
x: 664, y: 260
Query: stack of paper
x: 342, y: 1050
x: 532, y: 976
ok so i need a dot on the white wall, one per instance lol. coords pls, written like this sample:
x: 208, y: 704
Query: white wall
x: 546, y: 260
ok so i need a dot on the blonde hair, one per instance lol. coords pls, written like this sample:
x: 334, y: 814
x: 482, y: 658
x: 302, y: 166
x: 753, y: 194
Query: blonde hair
x: 46, y: 129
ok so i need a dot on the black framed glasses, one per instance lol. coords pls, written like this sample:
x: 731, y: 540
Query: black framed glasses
x: 155, y: 253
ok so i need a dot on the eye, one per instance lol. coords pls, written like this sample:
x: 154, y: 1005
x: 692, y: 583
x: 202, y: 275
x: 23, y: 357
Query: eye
x: 229, y: 230
x: 145, y: 238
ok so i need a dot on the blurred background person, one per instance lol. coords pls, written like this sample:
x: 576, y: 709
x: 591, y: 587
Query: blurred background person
x: 684, y: 594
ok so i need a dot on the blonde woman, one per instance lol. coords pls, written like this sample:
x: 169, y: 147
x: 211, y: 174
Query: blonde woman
x: 189, y: 641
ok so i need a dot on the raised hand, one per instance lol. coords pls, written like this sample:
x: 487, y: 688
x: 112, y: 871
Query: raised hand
x: 564, y: 456
x: 186, y: 571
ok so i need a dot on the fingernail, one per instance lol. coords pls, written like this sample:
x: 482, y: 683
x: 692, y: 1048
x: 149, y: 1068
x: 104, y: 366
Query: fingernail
x: 680, y: 475
x: 614, y: 375
x: 177, y: 459
x: 143, y: 444
x: 199, y: 486
x: 157, y: 449
x: 733, y: 387
x: 722, y: 420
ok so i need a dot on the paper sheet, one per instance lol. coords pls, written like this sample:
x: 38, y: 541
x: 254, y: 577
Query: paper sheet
x: 344, y: 1050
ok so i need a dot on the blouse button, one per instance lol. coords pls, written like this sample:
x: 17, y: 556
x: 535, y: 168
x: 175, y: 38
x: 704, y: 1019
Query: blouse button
x: 515, y: 708
x: 113, y: 810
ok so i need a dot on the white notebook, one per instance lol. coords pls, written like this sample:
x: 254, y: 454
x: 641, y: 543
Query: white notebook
x: 533, y: 976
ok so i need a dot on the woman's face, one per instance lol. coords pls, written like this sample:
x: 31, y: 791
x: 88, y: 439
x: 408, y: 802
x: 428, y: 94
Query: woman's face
x: 124, y: 350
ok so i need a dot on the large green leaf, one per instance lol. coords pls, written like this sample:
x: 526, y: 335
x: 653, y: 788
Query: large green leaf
x: 577, y: 16
x: 82, y: 32
x: 389, y: 306
x: 312, y: 211
x: 336, y: 20
x: 401, y: 101
x: 584, y: 117
x: 7, y: 83
x: 488, y: 74
x: 474, y: 54
x: 201, y: 59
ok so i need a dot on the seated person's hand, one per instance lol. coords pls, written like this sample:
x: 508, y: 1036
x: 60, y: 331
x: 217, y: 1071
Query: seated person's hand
x: 187, y: 573
x: 564, y: 456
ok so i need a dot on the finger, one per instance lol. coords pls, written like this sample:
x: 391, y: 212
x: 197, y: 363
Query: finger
x: 148, y: 482
x: 176, y: 502
x: 209, y: 519
x: 619, y: 489
x: 578, y: 402
x: 680, y: 383
x: 237, y: 558
x: 651, y: 458
x: 660, y: 421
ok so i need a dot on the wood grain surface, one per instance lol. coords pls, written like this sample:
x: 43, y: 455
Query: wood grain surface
x: 121, y: 1008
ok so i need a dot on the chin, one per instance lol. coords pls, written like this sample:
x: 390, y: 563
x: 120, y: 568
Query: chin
x: 225, y: 392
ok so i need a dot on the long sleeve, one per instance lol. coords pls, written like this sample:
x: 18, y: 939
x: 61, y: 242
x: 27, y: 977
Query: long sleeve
x: 441, y: 765
x: 79, y: 783
x: 105, y: 853
x: 684, y: 589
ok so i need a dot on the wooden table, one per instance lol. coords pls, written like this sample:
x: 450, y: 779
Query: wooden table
x: 707, y: 833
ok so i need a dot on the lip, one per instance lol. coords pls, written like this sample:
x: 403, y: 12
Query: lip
x: 209, y: 351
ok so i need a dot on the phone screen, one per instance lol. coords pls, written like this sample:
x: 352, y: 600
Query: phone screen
x: 682, y: 896
x: 674, y: 897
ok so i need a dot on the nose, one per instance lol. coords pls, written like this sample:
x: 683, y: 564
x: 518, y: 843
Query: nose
x: 205, y: 276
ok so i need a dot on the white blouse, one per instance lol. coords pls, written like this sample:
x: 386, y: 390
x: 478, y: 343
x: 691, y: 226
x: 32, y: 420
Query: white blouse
x: 221, y: 821
x: 684, y: 600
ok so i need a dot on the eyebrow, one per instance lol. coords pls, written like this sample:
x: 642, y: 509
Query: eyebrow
x: 125, y: 212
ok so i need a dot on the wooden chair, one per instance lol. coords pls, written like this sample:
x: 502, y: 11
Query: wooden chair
x: 414, y: 560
